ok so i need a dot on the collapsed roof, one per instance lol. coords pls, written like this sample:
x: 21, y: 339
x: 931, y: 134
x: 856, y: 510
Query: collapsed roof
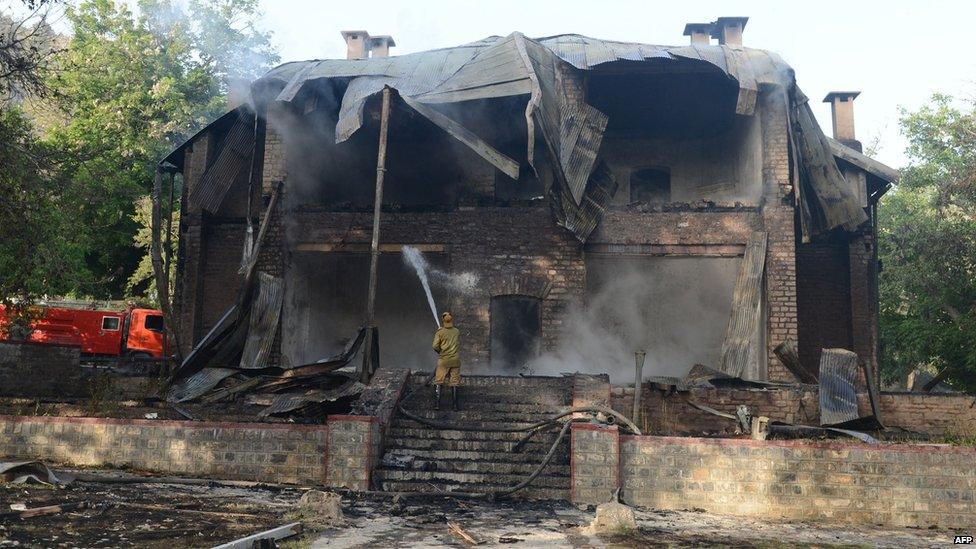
x: 515, y: 65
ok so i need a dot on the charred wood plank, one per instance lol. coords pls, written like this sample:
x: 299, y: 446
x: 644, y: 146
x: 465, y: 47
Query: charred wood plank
x: 740, y: 348
x: 789, y: 355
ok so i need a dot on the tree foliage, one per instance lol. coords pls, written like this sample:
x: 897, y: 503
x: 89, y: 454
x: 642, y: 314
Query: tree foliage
x: 927, y: 245
x: 40, y: 252
x: 134, y: 87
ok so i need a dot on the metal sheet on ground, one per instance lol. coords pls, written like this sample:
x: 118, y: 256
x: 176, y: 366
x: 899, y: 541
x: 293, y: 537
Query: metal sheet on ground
x: 838, y: 382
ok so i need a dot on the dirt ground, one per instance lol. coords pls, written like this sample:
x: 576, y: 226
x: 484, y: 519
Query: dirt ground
x: 175, y: 516
x: 141, y: 515
x: 423, y: 523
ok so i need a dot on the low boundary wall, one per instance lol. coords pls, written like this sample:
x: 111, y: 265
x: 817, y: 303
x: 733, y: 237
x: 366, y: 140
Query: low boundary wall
x: 890, y: 484
x: 667, y: 413
x: 342, y: 452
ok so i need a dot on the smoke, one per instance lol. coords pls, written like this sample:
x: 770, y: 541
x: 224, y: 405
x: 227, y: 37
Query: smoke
x: 676, y: 309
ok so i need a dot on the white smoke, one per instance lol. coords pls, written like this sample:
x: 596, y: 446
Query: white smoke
x: 676, y: 309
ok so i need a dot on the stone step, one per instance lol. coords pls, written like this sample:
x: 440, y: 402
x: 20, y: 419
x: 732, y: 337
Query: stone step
x: 465, y: 416
x: 537, y: 446
x: 479, y: 404
x: 475, y: 400
x: 485, y: 466
x: 529, y: 456
x: 473, y: 480
x: 563, y: 382
x: 500, y: 426
x: 415, y: 430
x: 531, y: 492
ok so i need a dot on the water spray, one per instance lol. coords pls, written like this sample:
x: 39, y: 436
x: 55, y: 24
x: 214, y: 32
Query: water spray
x: 416, y: 260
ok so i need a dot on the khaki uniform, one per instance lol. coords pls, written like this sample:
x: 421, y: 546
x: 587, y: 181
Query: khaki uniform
x: 447, y: 344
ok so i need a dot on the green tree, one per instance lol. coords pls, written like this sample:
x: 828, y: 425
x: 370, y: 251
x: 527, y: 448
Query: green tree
x: 39, y: 251
x: 133, y: 88
x: 927, y: 245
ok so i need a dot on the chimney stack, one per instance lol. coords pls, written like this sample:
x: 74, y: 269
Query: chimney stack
x: 728, y: 30
x: 379, y: 46
x: 359, y: 44
x: 842, y: 116
x: 699, y: 33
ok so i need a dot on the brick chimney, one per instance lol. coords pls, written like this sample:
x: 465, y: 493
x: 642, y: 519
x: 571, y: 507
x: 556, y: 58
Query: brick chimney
x: 699, y: 33
x: 379, y: 46
x: 357, y: 46
x: 842, y: 116
x: 728, y: 30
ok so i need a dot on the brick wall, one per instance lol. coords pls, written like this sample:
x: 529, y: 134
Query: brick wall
x: 893, y: 485
x: 666, y: 413
x: 222, y: 245
x: 778, y: 213
x: 34, y: 370
x: 823, y: 298
x: 262, y: 452
x: 593, y: 462
x: 501, y: 245
x: 864, y: 308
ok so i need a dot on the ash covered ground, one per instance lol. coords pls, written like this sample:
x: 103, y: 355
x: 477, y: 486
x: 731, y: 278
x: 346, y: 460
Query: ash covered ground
x: 175, y: 515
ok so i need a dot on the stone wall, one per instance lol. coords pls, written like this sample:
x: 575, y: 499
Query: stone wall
x: 893, y: 485
x: 354, y: 448
x: 242, y: 451
x: 665, y: 413
x: 593, y: 462
x: 36, y: 370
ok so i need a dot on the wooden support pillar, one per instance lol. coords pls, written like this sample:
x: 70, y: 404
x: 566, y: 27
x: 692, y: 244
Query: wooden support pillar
x: 372, y: 346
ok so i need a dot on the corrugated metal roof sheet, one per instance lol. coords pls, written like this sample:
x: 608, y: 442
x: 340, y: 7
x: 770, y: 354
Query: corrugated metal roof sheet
x: 838, y: 395
x: 516, y: 65
x: 265, y: 312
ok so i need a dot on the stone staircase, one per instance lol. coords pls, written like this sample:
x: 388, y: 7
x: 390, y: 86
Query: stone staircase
x: 420, y: 458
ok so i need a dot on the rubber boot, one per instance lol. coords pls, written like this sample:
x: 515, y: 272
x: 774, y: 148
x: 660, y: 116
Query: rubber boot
x: 437, y: 397
x: 454, y: 395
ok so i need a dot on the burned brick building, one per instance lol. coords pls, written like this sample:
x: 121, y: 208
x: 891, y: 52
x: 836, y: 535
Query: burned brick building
x: 680, y: 198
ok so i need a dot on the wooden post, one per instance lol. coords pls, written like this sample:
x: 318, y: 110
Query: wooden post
x: 638, y: 378
x: 374, y: 251
x: 171, y: 324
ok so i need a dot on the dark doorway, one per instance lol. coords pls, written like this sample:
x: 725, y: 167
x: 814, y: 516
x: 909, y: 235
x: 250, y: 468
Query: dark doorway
x: 516, y: 330
x: 651, y: 185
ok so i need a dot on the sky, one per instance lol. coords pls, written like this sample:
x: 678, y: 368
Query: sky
x: 897, y: 53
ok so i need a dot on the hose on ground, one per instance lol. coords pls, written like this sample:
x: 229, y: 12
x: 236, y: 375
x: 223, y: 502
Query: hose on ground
x: 576, y: 409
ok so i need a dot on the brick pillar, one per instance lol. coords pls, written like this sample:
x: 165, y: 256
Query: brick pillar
x: 272, y: 256
x: 594, y: 463
x: 354, y: 449
x: 864, y: 318
x: 189, y: 265
x: 778, y: 222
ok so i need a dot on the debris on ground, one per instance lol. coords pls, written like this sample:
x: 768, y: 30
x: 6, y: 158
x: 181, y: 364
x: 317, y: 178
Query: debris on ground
x: 138, y: 514
x: 19, y: 472
x: 456, y: 530
x: 319, y: 510
x: 612, y: 518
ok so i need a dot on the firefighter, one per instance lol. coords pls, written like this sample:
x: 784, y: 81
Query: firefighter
x: 447, y: 345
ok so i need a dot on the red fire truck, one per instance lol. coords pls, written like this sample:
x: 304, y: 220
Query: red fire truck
x: 99, y: 332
